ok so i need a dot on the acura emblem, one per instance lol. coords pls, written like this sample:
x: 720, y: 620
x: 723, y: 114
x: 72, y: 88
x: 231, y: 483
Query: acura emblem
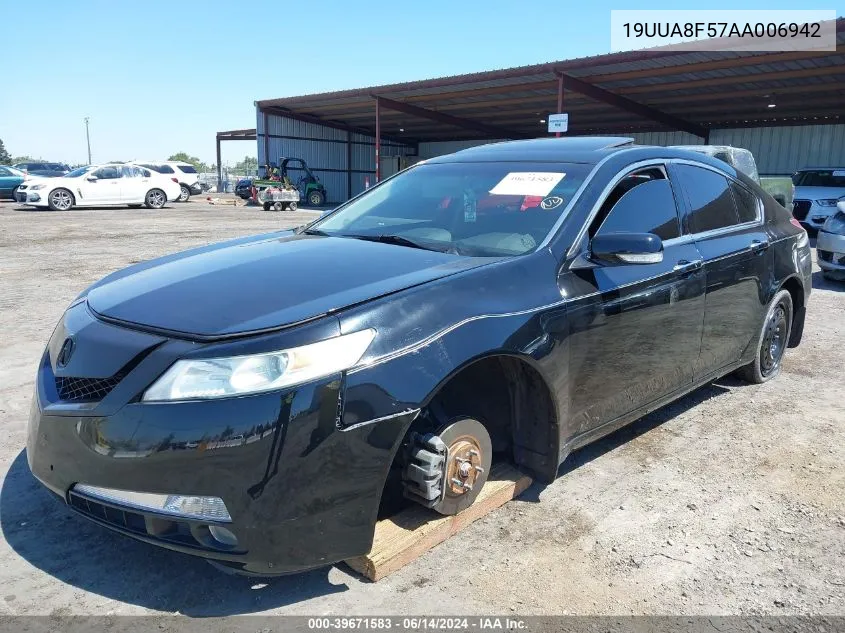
x: 65, y: 353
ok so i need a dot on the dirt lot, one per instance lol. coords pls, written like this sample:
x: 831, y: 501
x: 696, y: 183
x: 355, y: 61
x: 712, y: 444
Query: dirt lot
x: 728, y: 501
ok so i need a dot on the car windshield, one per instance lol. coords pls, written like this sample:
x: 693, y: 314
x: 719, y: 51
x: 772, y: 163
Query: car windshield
x: 479, y: 209
x: 821, y: 178
x: 76, y: 173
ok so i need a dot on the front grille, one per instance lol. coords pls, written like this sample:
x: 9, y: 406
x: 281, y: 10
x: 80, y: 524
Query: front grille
x: 800, y: 209
x: 72, y: 389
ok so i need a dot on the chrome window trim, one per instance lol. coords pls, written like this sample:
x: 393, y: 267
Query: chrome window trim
x: 577, y: 195
x: 650, y: 162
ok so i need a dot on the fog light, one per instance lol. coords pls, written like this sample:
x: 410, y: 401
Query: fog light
x: 222, y: 535
x: 209, y: 508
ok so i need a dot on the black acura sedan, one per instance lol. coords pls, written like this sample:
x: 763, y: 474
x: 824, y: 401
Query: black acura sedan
x: 261, y: 402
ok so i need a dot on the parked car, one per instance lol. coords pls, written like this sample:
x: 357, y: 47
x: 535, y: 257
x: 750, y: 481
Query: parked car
x: 41, y: 168
x: 243, y: 188
x: 10, y: 179
x: 816, y: 194
x: 830, y: 244
x: 412, y: 342
x: 100, y: 185
x: 184, y: 173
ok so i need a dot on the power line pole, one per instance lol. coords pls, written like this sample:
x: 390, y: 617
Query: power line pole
x: 88, y: 139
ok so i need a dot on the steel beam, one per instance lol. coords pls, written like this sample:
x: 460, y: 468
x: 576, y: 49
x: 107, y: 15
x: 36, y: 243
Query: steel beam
x: 447, y: 119
x: 336, y: 125
x: 378, y: 139
x: 623, y: 103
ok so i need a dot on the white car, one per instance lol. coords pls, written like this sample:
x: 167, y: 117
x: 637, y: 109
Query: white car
x: 185, y: 173
x: 98, y: 186
x: 816, y: 193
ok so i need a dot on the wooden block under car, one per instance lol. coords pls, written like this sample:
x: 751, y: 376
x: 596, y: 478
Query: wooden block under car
x: 404, y: 537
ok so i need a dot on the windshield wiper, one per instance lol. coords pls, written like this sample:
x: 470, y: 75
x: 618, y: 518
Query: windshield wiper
x: 398, y: 240
x: 303, y: 231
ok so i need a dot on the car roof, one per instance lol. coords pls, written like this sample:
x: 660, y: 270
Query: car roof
x: 589, y: 150
x: 578, y: 149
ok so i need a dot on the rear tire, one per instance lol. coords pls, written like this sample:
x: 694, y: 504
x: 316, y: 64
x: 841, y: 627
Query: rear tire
x: 184, y: 193
x: 316, y: 198
x: 155, y: 199
x: 60, y: 200
x: 293, y: 206
x: 772, y: 341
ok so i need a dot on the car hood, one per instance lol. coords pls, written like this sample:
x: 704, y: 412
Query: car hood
x: 264, y: 283
x: 818, y: 193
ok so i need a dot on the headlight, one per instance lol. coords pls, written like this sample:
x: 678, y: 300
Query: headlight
x: 835, y: 224
x: 238, y: 375
x: 827, y: 202
x: 36, y: 187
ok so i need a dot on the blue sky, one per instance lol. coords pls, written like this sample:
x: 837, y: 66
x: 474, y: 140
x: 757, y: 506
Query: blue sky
x: 161, y: 77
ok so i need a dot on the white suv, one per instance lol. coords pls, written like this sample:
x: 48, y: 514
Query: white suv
x: 817, y: 192
x: 183, y: 173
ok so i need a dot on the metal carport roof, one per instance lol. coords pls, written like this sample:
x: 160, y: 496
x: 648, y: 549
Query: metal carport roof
x: 655, y: 89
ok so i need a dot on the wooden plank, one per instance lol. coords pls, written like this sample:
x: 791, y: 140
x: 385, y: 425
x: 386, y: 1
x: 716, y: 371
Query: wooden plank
x: 408, y: 535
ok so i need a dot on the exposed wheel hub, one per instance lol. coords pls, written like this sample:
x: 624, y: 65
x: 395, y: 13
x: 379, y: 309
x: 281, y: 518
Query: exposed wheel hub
x: 446, y: 470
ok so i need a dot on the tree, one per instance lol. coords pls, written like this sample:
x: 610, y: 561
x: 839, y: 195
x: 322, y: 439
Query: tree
x: 182, y: 157
x: 5, y: 159
x: 248, y: 165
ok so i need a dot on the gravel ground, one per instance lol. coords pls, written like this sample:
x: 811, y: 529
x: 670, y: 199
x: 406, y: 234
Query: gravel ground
x: 729, y: 501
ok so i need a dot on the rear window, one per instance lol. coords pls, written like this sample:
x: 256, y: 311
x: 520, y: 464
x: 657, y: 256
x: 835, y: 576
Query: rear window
x: 711, y: 205
x: 820, y: 178
x: 162, y: 169
x: 188, y: 169
x: 746, y: 203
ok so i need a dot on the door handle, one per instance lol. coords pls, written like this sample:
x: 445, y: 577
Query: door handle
x: 758, y: 246
x: 686, y: 267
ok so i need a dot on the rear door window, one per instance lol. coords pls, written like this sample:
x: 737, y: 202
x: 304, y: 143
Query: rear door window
x: 747, y: 204
x: 164, y: 169
x: 708, y: 194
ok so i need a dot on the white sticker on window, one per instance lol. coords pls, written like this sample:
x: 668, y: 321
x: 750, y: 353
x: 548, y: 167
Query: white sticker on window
x: 527, y: 183
x: 838, y: 173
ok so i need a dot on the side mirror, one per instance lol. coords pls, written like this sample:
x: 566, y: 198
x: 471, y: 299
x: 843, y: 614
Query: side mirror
x: 627, y: 248
x: 92, y: 179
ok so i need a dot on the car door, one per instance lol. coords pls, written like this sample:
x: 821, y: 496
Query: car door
x: 130, y: 184
x: 634, y: 328
x: 103, y: 186
x: 8, y: 182
x: 724, y: 218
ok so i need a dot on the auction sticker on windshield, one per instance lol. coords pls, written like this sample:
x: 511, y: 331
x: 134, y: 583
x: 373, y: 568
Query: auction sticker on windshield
x: 527, y: 183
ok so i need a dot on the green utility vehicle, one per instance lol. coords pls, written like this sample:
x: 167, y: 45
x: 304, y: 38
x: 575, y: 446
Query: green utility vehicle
x: 311, y: 190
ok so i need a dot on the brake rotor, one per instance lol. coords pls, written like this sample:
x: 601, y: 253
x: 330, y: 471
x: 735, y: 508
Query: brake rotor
x: 469, y: 452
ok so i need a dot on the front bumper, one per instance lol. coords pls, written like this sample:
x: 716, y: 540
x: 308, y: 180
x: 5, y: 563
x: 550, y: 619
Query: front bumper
x: 35, y: 198
x: 301, y: 492
x: 830, y: 252
x: 810, y: 213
